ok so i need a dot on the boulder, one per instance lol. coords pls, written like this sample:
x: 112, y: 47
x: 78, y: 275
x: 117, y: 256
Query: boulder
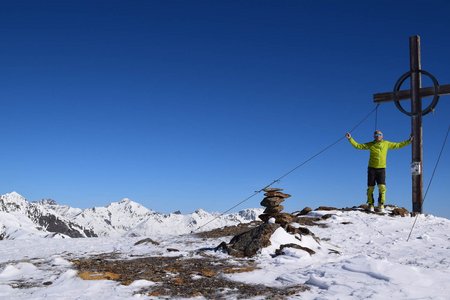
x: 277, y: 194
x: 327, y: 208
x: 271, y: 201
x: 283, y: 218
x: 265, y: 217
x: 295, y: 246
x: 249, y: 243
x: 274, y: 209
x: 268, y: 190
x: 298, y: 230
x: 399, y: 211
x: 146, y: 241
x: 305, y: 211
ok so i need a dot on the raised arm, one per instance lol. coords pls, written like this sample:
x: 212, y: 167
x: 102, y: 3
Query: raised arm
x: 356, y: 144
x: 393, y: 145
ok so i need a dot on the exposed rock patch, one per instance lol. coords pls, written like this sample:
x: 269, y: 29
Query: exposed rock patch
x: 399, y: 211
x: 295, y: 246
x: 248, y: 244
x: 146, y: 242
x: 177, y: 277
x: 229, y: 230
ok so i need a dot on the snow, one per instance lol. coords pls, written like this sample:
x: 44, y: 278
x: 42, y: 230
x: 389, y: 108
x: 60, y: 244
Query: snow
x: 374, y: 260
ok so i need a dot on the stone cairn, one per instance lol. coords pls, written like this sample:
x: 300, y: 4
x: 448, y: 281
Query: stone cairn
x: 272, y: 203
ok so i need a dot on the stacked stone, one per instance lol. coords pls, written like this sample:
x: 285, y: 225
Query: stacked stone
x: 272, y: 203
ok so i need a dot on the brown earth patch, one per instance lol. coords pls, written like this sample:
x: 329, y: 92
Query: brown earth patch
x: 183, y: 277
x: 87, y: 275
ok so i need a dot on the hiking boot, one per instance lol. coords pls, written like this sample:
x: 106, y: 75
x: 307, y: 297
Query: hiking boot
x: 381, y: 208
x: 371, y: 208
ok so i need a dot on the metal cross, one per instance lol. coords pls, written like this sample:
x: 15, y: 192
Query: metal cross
x: 415, y: 93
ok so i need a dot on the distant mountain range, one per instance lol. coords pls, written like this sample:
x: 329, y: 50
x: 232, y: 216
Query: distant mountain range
x: 20, y: 219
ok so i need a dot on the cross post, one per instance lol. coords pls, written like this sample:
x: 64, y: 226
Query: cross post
x: 416, y: 123
x: 415, y: 93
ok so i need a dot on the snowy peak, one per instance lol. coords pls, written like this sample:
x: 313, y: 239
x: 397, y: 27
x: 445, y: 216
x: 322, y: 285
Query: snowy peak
x: 14, y: 196
x: 13, y: 202
x: 22, y: 218
x: 115, y: 219
x: 128, y: 206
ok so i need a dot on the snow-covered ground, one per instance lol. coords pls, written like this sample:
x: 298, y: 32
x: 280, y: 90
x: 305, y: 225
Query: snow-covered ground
x: 374, y: 262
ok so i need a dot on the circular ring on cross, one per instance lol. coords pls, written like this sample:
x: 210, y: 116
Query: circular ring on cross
x: 433, y: 103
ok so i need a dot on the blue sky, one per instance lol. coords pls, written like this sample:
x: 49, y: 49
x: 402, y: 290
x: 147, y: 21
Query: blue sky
x: 182, y: 105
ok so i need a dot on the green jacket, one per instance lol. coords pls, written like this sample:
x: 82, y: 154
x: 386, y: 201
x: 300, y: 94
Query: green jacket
x: 378, y: 150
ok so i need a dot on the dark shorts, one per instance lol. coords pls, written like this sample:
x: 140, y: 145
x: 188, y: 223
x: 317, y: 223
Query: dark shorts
x: 376, y: 176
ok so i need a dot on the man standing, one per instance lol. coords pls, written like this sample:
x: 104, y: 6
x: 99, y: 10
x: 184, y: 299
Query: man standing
x: 376, y: 172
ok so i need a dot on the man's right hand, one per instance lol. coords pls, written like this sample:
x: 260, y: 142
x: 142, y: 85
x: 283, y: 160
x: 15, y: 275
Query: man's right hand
x: 348, y: 135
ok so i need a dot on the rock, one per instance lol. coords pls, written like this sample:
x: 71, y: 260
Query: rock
x: 295, y: 246
x: 271, y: 201
x: 146, y: 241
x: 172, y: 250
x: 280, y: 218
x: 272, y: 189
x: 305, y: 211
x: 364, y: 207
x: 327, y: 216
x: 274, y: 209
x: 300, y: 230
x: 399, y: 211
x: 228, y: 230
x: 277, y: 194
x: 283, y: 218
x: 308, y: 221
x: 249, y: 243
x: 327, y: 208
x: 265, y: 217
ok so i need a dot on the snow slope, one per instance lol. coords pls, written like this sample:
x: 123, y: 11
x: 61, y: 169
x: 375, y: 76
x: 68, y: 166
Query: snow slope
x: 374, y: 261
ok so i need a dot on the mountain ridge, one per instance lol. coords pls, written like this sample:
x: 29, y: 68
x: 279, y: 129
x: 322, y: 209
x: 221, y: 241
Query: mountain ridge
x: 46, y: 218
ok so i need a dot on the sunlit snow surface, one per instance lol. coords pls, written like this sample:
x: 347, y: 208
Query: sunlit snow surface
x: 375, y: 261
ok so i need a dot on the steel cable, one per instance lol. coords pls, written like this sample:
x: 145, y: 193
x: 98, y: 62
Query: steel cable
x: 290, y: 171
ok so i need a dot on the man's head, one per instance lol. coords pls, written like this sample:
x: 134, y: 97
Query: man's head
x: 378, y: 135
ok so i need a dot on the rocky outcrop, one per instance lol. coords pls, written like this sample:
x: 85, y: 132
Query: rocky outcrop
x: 248, y: 244
x: 399, y: 211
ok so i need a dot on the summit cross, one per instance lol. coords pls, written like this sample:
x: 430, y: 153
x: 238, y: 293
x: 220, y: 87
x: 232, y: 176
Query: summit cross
x: 415, y: 93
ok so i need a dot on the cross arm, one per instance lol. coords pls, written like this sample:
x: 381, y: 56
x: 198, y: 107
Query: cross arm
x: 406, y: 94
